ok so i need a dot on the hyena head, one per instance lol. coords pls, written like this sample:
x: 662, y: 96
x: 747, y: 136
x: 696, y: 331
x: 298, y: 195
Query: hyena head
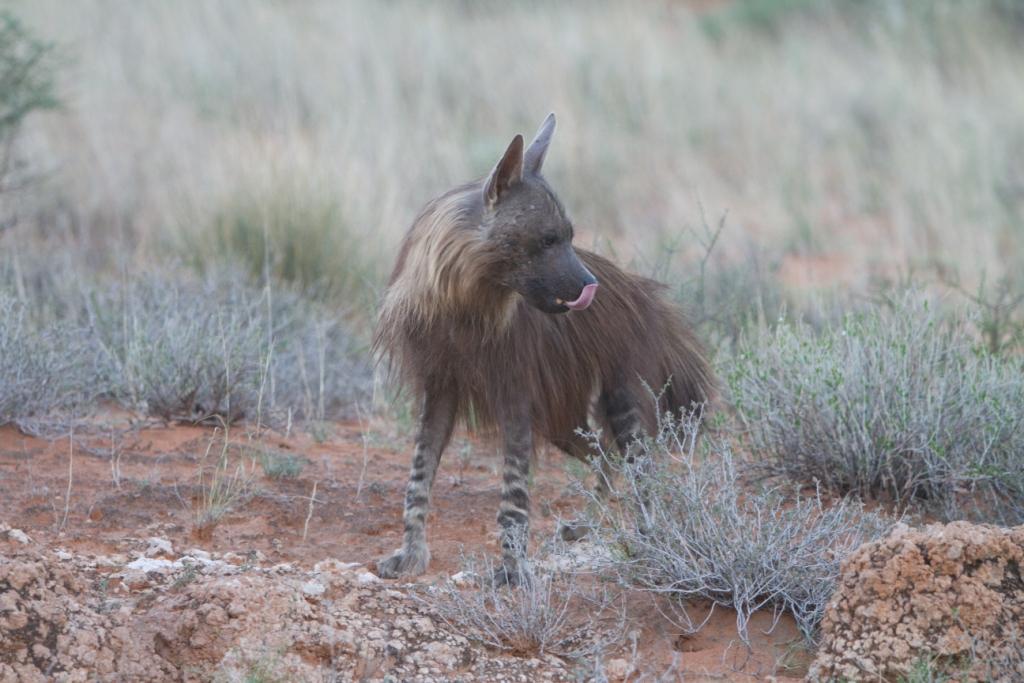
x: 529, y: 236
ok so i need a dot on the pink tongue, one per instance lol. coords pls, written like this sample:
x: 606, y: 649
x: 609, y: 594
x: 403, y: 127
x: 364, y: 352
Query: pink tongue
x: 586, y: 296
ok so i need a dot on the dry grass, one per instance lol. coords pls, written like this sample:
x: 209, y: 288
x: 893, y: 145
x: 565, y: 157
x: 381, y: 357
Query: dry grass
x: 887, y: 133
x: 224, y: 483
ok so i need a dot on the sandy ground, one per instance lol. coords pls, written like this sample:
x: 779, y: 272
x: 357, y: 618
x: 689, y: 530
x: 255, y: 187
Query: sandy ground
x: 360, y: 473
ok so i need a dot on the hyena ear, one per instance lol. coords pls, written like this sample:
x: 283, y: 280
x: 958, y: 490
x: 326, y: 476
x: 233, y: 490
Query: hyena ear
x: 507, y: 173
x: 538, y: 149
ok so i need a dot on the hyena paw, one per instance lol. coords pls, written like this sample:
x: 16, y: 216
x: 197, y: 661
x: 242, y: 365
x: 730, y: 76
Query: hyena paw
x: 403, y: 562
x: 573, y: 531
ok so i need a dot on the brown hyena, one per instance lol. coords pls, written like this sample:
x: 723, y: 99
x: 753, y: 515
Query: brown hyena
x: 473, y: 321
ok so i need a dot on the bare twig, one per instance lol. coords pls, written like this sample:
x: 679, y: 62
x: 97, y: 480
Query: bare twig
x: 67, y: 493
x: 309, y: 512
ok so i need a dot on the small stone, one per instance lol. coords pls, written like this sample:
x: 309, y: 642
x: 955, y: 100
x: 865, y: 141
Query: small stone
x: 157, y: 547
x: 333, y: 565
x: 214, y: 615
x: 462, y: 579
x: 313, y: 589
x: 236, y: 609
x: 617, y: 668
x: 19, y: 536
x: 159, y: 565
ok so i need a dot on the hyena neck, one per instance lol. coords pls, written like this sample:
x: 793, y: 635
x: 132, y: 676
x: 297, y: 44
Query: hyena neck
x: 442, y: 274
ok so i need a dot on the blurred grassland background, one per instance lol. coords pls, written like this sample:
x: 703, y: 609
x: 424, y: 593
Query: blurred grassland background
x: 846, y: 139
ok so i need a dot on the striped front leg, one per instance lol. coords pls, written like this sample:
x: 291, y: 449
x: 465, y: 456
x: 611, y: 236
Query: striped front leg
x: 435, y: 430
x: 514, y: 511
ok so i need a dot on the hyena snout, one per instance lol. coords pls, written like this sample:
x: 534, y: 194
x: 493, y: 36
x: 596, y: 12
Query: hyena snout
x: 585, y: 287
x: 568, y: 286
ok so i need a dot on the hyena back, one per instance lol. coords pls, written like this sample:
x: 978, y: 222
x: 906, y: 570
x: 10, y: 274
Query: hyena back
x: 472, y: 322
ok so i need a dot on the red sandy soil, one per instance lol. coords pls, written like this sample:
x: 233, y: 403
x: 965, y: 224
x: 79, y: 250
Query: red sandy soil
x: 360, y: 472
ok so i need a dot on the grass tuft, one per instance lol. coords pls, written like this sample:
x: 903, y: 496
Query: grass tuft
x: 552, y: 610
x: 295, y: 235
x: 224, y: 484
x: 279, y: 464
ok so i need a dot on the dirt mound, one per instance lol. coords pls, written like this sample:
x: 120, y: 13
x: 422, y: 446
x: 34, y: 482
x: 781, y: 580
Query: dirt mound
x: 194, y: 616
x: 948, y: 595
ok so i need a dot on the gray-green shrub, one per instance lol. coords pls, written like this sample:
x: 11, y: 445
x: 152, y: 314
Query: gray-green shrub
x: 687, y: 527
x: 899, y: 403
x: 189, y: 350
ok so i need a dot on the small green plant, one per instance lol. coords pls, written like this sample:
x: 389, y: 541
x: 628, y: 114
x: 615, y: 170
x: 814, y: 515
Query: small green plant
x: 321, y: 431
x: 279, y: 464
x: 264, y: 670
x: 239, y: 667
x: 187, y: 576
x: 463, y: 456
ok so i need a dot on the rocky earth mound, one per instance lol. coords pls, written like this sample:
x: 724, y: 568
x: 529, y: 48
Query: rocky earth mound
x: 191, y: 616
x: 948, y: 595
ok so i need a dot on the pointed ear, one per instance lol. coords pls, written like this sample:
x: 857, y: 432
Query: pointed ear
x: 507, y: 173
x: 538, y: 149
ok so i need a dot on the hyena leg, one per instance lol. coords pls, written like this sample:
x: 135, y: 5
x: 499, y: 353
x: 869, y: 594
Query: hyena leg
x: 435, y: 430
x: 621, y: 414
x: 514, y: 510
x: 582, y: 449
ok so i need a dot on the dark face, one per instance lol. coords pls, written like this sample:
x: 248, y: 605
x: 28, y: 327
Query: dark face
x: 533, y: 240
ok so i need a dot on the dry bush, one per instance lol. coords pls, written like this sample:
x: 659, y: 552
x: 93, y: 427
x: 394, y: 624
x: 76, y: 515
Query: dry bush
x: 683, y: 524
x: 43, y: 371
x: 723, y: 295
x: 181, y: 353
x: 189, y: 350
x: 899, y: 403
